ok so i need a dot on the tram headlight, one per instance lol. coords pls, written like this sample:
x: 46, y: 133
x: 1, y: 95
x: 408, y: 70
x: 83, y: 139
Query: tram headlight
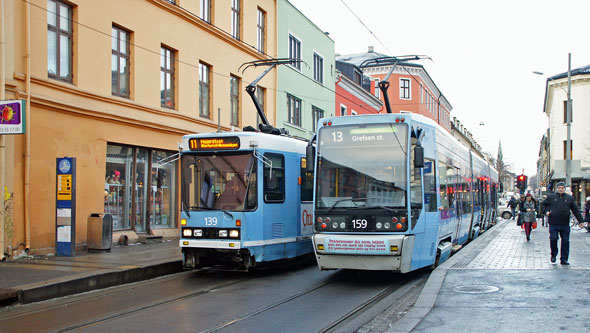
x: 186, y: 232
x: 234, y: 233
x: 222, y: 233
x: 343, y: 225
x: 379, y: 225
x: 387, y: 225
x: 335, y: 225
x: 198, y: 233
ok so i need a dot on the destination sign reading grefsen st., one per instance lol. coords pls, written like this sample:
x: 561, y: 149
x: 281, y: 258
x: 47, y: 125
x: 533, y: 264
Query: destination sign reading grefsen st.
x: 225, y: 143
x: 370, y: 135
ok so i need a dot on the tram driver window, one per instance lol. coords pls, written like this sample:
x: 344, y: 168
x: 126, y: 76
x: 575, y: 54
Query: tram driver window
x: 415, y: 183
x: 274, y: 178
x: 442, y: 172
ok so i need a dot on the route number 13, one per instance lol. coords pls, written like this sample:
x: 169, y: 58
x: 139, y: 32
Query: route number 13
x: 337, y: 136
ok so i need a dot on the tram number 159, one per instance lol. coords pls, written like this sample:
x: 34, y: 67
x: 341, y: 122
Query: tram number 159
x: 359, y: 224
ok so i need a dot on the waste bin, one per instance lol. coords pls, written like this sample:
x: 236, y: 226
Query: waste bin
x: 100, y: 232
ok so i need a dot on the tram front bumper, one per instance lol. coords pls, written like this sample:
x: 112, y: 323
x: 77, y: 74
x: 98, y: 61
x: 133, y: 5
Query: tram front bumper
x: 364, y: 252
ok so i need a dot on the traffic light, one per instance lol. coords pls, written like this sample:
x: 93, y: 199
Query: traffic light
x: 522, y: 182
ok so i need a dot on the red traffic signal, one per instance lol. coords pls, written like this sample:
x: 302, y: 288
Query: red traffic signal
x: 521, y: 177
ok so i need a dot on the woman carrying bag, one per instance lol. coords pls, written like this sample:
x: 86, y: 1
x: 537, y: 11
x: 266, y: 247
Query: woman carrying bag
x: 529, y: 212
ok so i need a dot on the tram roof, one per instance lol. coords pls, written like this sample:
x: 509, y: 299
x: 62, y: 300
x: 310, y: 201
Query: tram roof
x: 251, y: 140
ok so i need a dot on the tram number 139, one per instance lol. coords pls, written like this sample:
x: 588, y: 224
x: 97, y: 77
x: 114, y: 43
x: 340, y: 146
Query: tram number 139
x: 359, y: 224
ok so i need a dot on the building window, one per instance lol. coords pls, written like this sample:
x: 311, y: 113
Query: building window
x: 120, y: 62
x: 295, y: 51
x: 357, y: 77
x: 404, y: 88
x: 59, y: 40
x: 140, y: 178
x: 565, y: 149
x: 421, y: 94
x: 261, y: 31
x: 206, y: 10
x: 167, y: 78
x: 318, y: 68
x: 234, y: 83
x: 342, y: 110
x: 235, y: 18
x: 260, y: 96
x: 317, y: 114
x: 377, y: 90
x: 353, y: 113
x: 294, y: 107
x: 204, y: 90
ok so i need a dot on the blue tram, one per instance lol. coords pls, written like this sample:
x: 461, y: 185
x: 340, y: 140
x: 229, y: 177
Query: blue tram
x: 395, y: 192
x: 246, y: 199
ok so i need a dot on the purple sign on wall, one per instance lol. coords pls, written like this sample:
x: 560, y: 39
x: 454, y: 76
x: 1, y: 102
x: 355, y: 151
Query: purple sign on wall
x: 12, y: 117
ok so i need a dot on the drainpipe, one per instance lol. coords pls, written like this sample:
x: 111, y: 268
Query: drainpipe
x: 27, y: 155
x: 2, y: 141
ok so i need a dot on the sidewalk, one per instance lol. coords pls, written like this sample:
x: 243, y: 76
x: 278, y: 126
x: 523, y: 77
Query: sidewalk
x: 501, y: 283
x: 38, y: 278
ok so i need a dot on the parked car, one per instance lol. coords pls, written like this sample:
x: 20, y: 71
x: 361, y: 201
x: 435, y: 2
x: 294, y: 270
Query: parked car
x: 503, y: 210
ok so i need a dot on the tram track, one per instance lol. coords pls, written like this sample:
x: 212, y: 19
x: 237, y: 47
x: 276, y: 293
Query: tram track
x: 357, y: 295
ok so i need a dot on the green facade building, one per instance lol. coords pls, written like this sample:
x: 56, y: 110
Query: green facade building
x: 305, y: 89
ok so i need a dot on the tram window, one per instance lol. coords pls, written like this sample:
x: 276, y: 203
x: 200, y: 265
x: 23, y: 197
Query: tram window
x: 467, y: 206
x: 274, y: 178
x: 306, y: 182
x: 451, y: 186
x: 430, y: 195
x: 442, y: 180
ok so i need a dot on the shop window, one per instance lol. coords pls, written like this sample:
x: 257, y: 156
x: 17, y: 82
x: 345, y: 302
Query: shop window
x: 162, y: 211
x: 274, y: 178
x: 132, y: 197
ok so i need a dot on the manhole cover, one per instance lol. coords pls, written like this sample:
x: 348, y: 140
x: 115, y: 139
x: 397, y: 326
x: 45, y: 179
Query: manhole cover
x: 476, y: 289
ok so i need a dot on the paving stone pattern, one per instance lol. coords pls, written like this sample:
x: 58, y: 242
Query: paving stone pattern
x: 510, y: 250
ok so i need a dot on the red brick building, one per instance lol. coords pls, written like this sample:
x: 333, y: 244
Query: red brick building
x: 411, y: 89
x: 353, y: 92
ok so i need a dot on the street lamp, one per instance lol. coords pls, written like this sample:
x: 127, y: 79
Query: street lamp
x: 568, y: 120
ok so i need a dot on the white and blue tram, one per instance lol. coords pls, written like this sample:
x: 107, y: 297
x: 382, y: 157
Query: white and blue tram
x: 246, y: 199
x: 395, y: 192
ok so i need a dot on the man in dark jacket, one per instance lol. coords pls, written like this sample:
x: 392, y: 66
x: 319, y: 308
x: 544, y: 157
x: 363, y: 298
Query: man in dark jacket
x: 557, y: 207
x: 512, y: 203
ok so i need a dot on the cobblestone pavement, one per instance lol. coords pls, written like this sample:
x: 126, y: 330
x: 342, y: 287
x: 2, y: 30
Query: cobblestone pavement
x: 510, y: 250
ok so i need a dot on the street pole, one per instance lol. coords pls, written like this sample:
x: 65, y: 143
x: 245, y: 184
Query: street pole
x: 568, y: 145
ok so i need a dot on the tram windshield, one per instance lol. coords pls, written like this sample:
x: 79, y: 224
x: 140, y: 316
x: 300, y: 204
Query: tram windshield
x: 219, y: 181
x: 362, y: 166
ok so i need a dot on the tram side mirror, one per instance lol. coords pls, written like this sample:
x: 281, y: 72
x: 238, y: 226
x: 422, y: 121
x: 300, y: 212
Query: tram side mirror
x: 310, y: 158
x: 418, y: 157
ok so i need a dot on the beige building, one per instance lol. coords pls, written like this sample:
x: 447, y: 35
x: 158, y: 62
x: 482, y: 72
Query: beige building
x: 115, y: 84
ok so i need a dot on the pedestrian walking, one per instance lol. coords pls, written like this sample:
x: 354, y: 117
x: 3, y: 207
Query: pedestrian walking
x: 587, y: 214
x: 529, y: 211
x: 557, y: 207
x: 512, y: 203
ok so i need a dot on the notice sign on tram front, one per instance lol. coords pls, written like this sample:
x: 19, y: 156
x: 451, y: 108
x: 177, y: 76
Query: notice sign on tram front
x: 356, y: 246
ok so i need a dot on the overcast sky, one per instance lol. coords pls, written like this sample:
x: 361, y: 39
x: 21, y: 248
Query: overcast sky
x: 484, y: 53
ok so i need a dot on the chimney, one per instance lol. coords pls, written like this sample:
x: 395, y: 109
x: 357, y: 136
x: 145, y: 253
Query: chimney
x: 371, y: 49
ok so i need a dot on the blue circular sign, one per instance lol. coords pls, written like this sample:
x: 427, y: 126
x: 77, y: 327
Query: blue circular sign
x: 64, y: 166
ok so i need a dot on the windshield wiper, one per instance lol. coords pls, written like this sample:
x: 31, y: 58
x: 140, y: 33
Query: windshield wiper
x: 184, y: 209
x: 208, y: 208
x: 345, y: 199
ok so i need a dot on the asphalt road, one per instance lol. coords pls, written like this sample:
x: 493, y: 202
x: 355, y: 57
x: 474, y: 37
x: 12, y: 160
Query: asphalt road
x: 291, y: 299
